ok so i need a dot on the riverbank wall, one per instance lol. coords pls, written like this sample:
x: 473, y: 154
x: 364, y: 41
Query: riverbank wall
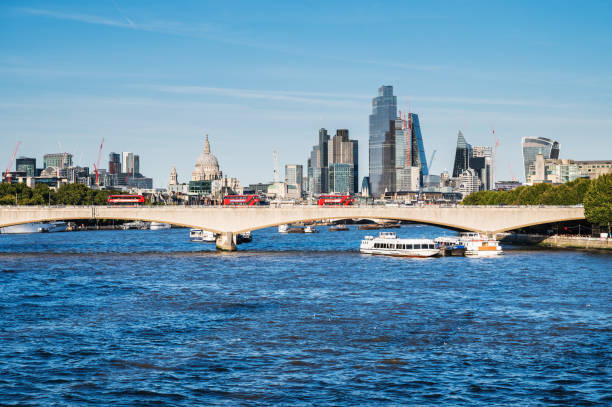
x: 556, y: 241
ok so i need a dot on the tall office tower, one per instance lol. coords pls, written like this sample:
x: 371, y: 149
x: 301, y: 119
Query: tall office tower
x: 410, y: 161
x: 318, y: 165
x: 114, y: 163
x: 462, y: 155
x: 323, y: 160
x: 382, y: 143
x: 314, y: 172
x: 343, y: 164
x: 482, y: 162
x: 27, y: 165
x: 59, y: 160
x: 293, y: 176
x: 532, y: 146
x: 136, y: 168
x: 127, y: 162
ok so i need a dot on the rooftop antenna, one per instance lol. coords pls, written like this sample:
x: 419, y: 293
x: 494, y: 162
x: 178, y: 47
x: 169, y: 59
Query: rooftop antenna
x: 408, y: 150
x: 276, y: 172
x: 496, y: 144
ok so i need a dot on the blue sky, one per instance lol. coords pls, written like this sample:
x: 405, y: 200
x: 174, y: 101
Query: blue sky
x: 155, y: 77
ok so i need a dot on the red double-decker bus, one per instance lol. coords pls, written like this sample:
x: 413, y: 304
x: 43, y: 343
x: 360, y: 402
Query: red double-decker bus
x: 335, y: 200
x: 243, y: 200
x: 125, y: 199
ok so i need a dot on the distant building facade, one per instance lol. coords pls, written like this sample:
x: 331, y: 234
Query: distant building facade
x: 59, y: 160
x: 114, y: 163
x: 294, y: 174
x: 469, y: 182
x: 27, y: 165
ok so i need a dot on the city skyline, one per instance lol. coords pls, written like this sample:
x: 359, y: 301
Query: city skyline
x: 156, y: 80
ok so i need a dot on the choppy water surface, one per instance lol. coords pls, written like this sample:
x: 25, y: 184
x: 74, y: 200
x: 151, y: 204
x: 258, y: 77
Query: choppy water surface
x: 145, y: 317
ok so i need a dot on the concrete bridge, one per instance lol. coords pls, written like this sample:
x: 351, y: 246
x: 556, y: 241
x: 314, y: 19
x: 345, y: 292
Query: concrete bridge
x: 227, y: 222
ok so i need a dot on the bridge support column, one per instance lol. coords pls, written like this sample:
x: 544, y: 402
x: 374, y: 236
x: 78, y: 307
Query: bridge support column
x: 226, y: 241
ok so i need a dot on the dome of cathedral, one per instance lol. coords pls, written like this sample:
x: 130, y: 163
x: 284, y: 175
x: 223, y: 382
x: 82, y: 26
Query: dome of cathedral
x: 207, y: 166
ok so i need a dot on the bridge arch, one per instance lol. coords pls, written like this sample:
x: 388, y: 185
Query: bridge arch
x: 334, y: 218
x: 228, y: 221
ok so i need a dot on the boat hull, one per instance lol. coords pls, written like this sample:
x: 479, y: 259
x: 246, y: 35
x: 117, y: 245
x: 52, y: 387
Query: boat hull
x: 159, y: 226
x: 26, y: 228
x: 400, y: 253
x: 483, y: 253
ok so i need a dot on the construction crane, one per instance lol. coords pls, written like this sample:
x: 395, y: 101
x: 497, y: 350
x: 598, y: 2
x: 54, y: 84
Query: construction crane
x: 495, y: 155
x: 276, y: 171
x: 511, y: 172
x: 431, y: 158
x: 97, y: 164
x: 7, y: 173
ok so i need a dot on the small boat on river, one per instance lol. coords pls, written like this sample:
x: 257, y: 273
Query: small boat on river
x: 479, y: 245
x: 450, y: 246
x: 199, y: 235
x: 310, y: 229
x: 159, y: 226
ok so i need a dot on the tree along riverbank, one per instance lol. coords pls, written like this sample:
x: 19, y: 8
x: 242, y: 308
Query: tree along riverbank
x: 595, y: 195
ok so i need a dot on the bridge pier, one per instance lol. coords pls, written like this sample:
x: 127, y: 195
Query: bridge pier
x: 226, y: 241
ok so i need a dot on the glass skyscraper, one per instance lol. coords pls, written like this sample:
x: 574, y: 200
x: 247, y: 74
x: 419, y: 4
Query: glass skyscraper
x: 382, y: 143
x: 417, y: 149
x: 463, y: 153
x: 533, y: 146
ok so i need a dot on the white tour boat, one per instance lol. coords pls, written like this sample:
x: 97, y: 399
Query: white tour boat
x: 57, y: 226
x: 283, y: 228
x: 199, y: 235
x: 159, y: 226
x: 479, y: 245
x: 35, y: 227
x: 310, y: 229
x: 389, y: 244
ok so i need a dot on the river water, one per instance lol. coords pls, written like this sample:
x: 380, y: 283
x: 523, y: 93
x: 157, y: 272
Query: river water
x: 146, y: 317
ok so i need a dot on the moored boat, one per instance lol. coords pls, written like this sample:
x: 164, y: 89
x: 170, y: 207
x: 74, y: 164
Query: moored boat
x: 159, y: 226
x: 244, y: 237
x: 387, y: 243
x: 450, y: 246
x: 35, y: 227
x: 310, y: 229
x: 283, y: 228
x: 479, y: 245
x: 338, y: 228
x: 199, y: 235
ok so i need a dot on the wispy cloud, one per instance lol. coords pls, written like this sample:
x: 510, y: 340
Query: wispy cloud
x: 346, y: 98
x: 318, y: 98
x: 169, y: 27
x: 493, y: 101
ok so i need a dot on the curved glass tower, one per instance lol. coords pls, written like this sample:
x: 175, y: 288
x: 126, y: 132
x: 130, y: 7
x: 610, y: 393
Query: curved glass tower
x: 533, y: 146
